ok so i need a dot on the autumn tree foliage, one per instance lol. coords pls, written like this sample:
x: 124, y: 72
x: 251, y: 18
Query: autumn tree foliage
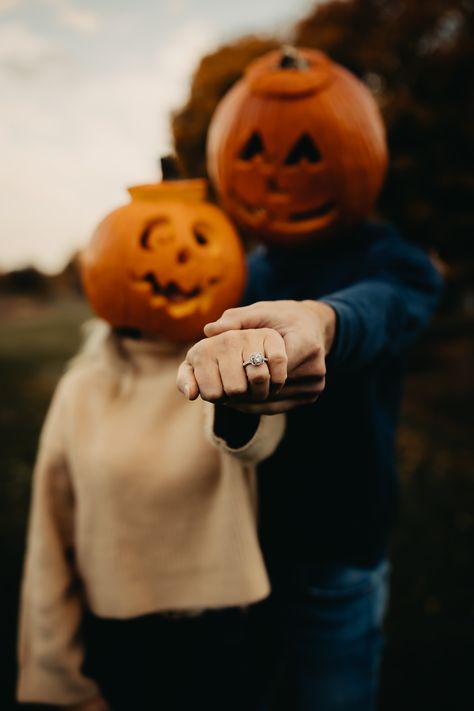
x: 216, y: 73
x: 416, y: 57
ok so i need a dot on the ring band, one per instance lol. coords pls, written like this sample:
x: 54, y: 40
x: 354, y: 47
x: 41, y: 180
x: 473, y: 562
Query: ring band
x: 255, y: 359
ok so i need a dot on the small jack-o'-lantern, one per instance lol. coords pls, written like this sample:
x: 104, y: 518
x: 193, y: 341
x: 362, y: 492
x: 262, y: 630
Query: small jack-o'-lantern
x: 297, y: 149
x: 167, y: 263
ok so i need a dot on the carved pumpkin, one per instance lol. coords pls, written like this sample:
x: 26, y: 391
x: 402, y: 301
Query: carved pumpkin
x: 167, y: 263
x: 296, y: 148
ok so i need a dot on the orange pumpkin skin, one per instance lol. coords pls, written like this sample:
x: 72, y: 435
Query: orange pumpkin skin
x: 166, y: 264
x: 297, y: 154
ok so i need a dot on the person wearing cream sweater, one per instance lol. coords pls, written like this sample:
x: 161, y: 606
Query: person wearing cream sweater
x: 143, y: 520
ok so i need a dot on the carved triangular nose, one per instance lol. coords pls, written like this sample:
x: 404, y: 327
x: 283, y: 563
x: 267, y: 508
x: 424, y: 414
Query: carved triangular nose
x: 272, y: 184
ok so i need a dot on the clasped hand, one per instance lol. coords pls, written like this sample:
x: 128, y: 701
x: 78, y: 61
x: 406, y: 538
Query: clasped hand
x: 293, y: 336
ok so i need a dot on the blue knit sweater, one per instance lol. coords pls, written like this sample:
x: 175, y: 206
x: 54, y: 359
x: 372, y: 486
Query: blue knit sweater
x: 330, y: 491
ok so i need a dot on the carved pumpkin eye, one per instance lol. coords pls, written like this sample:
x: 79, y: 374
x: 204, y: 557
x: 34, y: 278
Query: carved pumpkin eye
x: 304, y: 149
x: 157, y: 231
x: 200, y: 232
x: 253, y: 147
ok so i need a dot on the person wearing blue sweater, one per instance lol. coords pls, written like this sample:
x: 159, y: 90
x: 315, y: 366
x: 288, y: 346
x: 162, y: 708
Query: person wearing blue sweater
x: 349, y: 303
x: 328, y: 497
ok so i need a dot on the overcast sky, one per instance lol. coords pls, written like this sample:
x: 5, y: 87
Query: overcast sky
x: 86, y: 87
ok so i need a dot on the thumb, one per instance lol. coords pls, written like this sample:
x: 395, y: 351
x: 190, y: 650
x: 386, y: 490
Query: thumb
x: 221, y: 326
x: 233, y: 320
x: 186, y: 382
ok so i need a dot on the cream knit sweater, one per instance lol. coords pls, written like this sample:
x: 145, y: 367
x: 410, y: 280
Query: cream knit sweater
x: 134, y: 510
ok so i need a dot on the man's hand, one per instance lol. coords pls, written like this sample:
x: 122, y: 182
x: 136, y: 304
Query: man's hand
x: 308, y: 330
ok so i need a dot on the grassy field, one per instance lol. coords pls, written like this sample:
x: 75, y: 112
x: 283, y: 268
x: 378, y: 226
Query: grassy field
x: 36, y: 340
x: 430, y: 654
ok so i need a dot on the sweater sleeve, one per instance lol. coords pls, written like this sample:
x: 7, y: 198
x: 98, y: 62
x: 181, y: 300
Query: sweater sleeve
x: 263, y: 437
x: 50, y: 647
x: 388, y: 307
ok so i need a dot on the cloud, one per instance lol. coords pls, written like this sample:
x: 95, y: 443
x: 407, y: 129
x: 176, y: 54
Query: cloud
x: 178, y: 58
x: 74, y: 17
x: 72, y: 141
x: 24, y: 52
x: 6, y: 5
x: 176, y: 7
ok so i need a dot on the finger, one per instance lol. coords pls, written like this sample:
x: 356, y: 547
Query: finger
x: 314, y: 367
x: 274, y: 349
x: 252, y: 316
x: 229, y: 321
x: 258, y: 376
x: 202, y: 358
x: 186, y: 381
x: 209, y: 380
x: 233, y: 375
x: 304, y: 387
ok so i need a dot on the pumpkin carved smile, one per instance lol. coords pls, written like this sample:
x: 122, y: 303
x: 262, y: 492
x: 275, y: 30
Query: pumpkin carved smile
x: 170, y: 291
x: 321, y: 211
x: 259, y: 216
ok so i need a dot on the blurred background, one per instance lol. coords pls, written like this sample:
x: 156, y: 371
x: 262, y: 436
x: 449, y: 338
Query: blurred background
x: 91, y: 94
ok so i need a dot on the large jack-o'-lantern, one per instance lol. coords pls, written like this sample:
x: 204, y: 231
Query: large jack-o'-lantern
x: 167, y: 263
x: 297, y: 149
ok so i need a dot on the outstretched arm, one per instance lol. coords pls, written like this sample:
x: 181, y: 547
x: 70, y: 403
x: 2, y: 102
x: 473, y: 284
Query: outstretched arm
x: 379, y: 315
x: 394, y: 292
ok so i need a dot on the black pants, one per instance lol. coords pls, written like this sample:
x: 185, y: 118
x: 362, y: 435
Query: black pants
x: 154, y: 662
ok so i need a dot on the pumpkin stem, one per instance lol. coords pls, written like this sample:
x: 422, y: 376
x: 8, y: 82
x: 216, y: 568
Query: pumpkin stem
x: 170, y: 169
x: 291, y: 59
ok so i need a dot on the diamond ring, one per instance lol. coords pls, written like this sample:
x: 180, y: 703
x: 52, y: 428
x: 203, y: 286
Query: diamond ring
x: 255, y: 359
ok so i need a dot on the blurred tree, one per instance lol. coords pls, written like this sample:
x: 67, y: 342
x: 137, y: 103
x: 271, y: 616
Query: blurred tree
x: 68, y: 281
x: 214, y: 76
x: 32, y: 282
x: 416, y: 58
x: 27, y: 281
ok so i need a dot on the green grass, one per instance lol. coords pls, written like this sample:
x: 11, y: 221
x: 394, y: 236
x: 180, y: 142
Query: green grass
x: 36, y: 340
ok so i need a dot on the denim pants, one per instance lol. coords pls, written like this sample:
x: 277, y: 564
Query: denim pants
x: 319, y: 639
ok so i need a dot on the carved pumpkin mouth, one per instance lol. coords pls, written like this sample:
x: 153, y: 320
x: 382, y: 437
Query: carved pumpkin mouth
x: 171, y: 291
x: 179, y: 301
x: 261, y: 216
x: 321, y: 211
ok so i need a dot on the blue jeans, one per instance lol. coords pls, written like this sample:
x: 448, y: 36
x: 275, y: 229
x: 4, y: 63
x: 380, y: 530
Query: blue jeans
x: 319, y: 639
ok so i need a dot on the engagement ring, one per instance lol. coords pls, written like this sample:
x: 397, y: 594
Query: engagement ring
x: 255, y: 359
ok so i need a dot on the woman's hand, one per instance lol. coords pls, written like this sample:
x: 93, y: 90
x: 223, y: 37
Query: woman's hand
x: 214, y: 367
